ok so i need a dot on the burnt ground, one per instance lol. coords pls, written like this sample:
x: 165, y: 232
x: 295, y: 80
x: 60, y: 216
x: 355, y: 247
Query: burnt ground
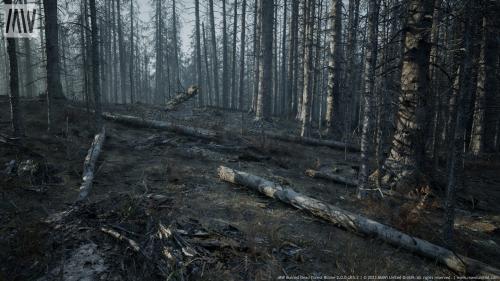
x: 161, y: 190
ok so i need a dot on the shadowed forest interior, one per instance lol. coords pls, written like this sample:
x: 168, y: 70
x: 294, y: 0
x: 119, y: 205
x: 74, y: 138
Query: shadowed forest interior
x: 249, y: 139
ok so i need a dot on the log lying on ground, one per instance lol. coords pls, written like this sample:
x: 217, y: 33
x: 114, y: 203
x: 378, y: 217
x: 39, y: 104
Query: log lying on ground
x: 181, y: 97
x: 313, y: 141
x: 89, y: 164
x: 162, y: 125
x: 332, y: 177
x: 360, y: 224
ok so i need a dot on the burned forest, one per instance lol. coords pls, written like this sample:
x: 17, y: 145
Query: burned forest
x: 249, y: 140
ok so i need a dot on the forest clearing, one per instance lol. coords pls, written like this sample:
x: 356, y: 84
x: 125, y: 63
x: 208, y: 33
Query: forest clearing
x: 281, y: 140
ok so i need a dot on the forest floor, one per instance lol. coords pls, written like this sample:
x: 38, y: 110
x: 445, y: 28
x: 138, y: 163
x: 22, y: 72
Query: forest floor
x: 161, y: 191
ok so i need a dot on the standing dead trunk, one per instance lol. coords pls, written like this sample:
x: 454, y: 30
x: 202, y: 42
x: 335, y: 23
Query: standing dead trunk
x: 198, y: 51
x: 15, y: 109
x: 242, y: 57
x: 121, y: 48
x: 131, y: 54
x: 368, y: 96
x: 28, y: 66
x: 95, y: 65
x: 407, y: 152
x: 307, y: 91
x: 334, y: 74
x: 215, y: 63
x: 209, y: 99
x: 266, y: 65
x: 291, y: 85
x: 233, y: 60
x: 225, y: 70
x: 54, y: 87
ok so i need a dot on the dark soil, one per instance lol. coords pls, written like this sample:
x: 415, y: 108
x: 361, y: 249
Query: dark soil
x: 149, y: 181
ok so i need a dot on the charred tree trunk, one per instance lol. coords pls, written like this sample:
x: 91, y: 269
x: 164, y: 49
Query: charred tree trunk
x: 407, y: 152
x: 309, y: 12
x: 215, y: 63
x: 368, y: 97
x: 241, y: 91
x: 334, y: 74
x: 266, y: 65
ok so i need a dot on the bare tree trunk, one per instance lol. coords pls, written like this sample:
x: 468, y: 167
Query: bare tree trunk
x: 368, y: 97
x: 457, y: 123
x: 176, y: 47
x: 233, y: 60
x: 159, y: 54
x: 242, y: 57
x: 334, y: 73
x: 15, y: 108
x: 28, y: 66
x: 291, y: 85
x: 198, y: 52
x: 283, y: 78
x: 407, y: 152
x: 54, y: 87
x: 257, y: 34
x: 131, y: 61
x: 215, y: 63
x: 95, y: 66
x: 209, y: 100
x: 266, y: 65
x: 351, y: 61
x: 121, y: 47
x: 484, y: 122
x: 309, y: 12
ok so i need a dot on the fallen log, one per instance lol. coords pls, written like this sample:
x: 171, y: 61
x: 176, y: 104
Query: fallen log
x: 332, y: 177
x: 313, y: 141
x: 89, y: 164
x: 162, y: 125
x: 360, y: 224
x: 182, y: 97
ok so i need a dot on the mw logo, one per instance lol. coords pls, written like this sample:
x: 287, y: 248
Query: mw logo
x: 20, y: 21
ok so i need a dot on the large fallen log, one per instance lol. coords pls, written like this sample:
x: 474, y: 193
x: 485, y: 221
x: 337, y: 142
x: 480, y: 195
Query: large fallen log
x: 313, y: 141
x: 163, y: 125
x: 89, y: 164
x: 182, y: 97
x: 360, y: 224
x: 331, y: 177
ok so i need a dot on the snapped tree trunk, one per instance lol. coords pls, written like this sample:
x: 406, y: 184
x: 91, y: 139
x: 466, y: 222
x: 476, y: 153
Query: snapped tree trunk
x: 359, y: 224
x: 182, y: 97
x: 90, y: 163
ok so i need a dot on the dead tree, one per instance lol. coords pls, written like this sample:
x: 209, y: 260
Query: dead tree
x: 263, y: 109
x: 15, y: 108
x: 90, y: 162
x: 359, y: 224
x: 334, y: 62
x: 368, y: 97
x: 307, y: 91
x: 407, y: 151
x: 54, y: 87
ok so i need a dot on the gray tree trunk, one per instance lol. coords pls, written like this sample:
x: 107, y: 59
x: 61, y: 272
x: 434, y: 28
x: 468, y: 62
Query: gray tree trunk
x: 334, y: 68
x: 368, y: 97
x: 95, y: 66
x: 406, y: 155
x: 309, y: 12
x: 241, y: 90
x: 198, y: 52
x: 215, y: 63
x: 266, y: 65
x: 54, y: 87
